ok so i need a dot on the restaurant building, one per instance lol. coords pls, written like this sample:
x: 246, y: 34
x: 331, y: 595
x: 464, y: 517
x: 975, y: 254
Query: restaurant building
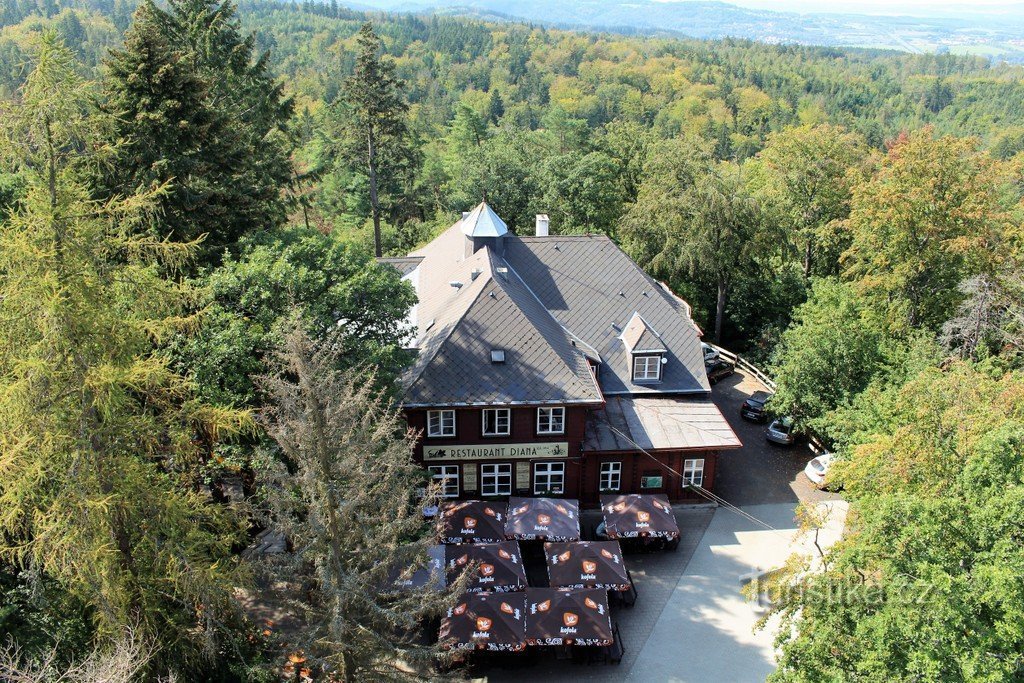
x: 553, y: 365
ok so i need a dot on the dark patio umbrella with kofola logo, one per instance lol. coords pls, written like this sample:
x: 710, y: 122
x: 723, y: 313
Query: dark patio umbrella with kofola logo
x: 632, y: 515
x: 568, y: 616
x: 431, y: 573
x: 499, y: 566
x: 547, y: 519
x: 586, y: 564
x: 472, y: 521
x: 486, y: 621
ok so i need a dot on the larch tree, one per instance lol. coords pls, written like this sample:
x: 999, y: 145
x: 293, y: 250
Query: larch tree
x: 97, y: 436
x: 373, y: 119
x: 349, y: 501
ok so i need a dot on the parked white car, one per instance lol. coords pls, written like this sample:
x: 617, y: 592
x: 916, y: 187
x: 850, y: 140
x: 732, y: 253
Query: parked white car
x: 710, y: 353
x: 780, y: 431
x: 817, y: 469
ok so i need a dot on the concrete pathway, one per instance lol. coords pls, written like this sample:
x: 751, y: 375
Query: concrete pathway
x: 705, y: 632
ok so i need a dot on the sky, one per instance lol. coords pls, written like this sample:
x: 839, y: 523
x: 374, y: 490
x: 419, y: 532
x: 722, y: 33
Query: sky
x: 927, y: 8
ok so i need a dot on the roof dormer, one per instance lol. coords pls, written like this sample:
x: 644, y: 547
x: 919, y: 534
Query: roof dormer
x: 646, y: 350
x: 640, y: 337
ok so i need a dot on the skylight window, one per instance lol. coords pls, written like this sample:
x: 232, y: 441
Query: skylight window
x: 497, y: 355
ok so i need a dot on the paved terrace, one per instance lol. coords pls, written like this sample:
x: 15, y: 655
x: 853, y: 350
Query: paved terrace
x: 690, y: 622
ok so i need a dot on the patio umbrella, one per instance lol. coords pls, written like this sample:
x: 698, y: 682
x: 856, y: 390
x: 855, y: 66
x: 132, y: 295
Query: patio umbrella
x: 432, y: 573
x: 587, y: 564
x: 499, y: 566
x: 548, y: 519
x: 486, y: 621
x: 472, y: 521
x: 634, y: 514
x: 568, y: 616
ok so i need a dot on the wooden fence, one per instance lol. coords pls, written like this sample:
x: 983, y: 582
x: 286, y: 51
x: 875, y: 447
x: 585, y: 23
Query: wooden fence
x: 815, y: 442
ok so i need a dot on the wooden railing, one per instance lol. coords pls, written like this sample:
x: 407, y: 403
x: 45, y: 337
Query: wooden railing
x: 745, y: 365
x: 813, y: 440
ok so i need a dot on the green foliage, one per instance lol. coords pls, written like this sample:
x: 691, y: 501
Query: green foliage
x: 937, y: 211
x: 250, y: 297
x: 694, y: 217
x: 98, y: 437
x: 803, y: 177
x: 834, y: 349
x: 172, y: 135
x: 371, y: 122
x: 927, y: 583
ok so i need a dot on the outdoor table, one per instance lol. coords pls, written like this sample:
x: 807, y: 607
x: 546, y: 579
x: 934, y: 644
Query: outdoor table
x: 486, y: 621
x: 568, y: 616
x: 641, y: 516
x: 472, y: 521
x: 545, y: 519
x: 587, y: 564
x: 499, y: 566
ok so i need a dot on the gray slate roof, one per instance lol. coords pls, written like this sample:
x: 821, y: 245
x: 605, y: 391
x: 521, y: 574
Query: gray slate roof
x: 593, y: 288
x: 549, y: 303
x: 493, y: 310
x: 658, y: 423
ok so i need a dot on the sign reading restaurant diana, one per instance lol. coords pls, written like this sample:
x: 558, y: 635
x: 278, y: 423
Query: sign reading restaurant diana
x: 498, y: 451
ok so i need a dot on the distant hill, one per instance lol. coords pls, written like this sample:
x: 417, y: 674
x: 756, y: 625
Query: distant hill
x: 996, y: 37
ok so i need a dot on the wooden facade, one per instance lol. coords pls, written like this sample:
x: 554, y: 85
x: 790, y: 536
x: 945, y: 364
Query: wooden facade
x: 578, y: 472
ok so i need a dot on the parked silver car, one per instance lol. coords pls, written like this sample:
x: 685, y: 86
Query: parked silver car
x: 780, y: 431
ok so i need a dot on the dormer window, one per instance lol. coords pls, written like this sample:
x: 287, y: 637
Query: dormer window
x: 645, y: 347
x: 647, y: 368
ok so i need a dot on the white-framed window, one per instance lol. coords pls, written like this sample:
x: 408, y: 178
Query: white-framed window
x: 497, y: 421
x: 440, y: 423
x: 548, y: 477
x: 693, y: 472
x: 611, y: 476
x: 550, y: 420
x: 647, y: 368
x: 448, y: 477
x: 496, y: 479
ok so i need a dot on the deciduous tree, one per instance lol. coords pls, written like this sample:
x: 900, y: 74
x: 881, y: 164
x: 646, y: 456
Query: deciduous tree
x: 937, y: 211
x: 694, y: 216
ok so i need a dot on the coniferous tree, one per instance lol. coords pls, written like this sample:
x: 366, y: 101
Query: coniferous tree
x: 171, y: 133
x: 374, y: 117
x: 348, y: 501
x: 241, y: 88
x: 97, y: 435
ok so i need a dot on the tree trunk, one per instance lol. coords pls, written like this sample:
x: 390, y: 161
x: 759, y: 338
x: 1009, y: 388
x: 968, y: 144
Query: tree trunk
x: 374, y: 204
x: 720, y: 309
x: 807, y: 258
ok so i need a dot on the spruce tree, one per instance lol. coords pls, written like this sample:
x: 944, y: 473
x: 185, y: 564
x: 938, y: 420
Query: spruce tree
x: 373, y: 118
x: 243, y: 88
x: 349, y: 502
x: 171, y: 135
x: 198, y: 113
